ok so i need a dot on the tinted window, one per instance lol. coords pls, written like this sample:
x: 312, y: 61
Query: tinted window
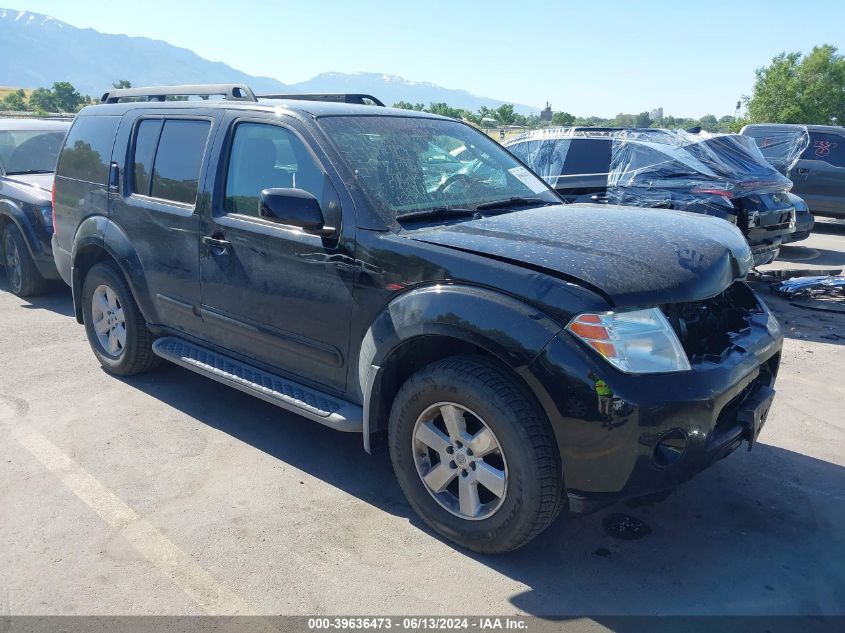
x: 87, y: 150
x: 146, y: 140
x: 827, y: 147
x: 587, y: 156
x: 29, y: 151
x: 267, y: 157
x: 178, y: 160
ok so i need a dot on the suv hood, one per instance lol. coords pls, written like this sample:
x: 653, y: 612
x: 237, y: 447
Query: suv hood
x: 38, y: 181
x: 632, y: 256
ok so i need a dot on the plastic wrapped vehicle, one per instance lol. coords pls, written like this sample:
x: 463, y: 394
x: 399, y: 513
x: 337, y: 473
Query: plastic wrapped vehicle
x: 724, y: 175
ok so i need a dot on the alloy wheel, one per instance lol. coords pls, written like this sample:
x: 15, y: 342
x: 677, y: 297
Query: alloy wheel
x: 108, y: 320
x: 460, y: 461
x: 13, y: 262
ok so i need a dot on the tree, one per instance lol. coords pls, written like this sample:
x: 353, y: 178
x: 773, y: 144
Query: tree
x: 642, y: 120
x: 404, y: 105
x: 804, y: 90
x: 42, y: 100
x: 15, y: 101
x: 504, y: 114
x: 444, y: 109
x: 708, y: 122
x: 66, y: 98
x: 122, y: 83
x: 563, y: 119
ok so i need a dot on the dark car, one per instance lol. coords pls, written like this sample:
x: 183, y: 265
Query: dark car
x: 521, y: 356
x: 819, y: 170
x: 724, y: 176
x: 28, y: 152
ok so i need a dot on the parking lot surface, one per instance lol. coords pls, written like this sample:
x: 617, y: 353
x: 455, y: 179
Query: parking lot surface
x: 170, y: 494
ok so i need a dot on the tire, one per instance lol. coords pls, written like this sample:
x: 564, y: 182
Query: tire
x: 484, y: 396
x: 21, y: 271
x: 123, y: 344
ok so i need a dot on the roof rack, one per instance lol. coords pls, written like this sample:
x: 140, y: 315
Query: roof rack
x: 338, y: 97
x: 230, y: 92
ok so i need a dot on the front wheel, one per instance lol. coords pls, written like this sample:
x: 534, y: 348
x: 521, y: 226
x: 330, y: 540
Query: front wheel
x: 21, y: 271
x: 474, y: 455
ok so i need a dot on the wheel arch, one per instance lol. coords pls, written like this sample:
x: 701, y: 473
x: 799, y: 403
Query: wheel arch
x: 97, y: 240
x: 432, y: 323
x: 14, y: 215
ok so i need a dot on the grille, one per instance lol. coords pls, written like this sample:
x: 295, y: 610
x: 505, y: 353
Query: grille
x: 707, y: 328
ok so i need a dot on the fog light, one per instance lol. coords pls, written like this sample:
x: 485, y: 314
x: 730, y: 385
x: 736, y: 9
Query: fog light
x: 670, y: 448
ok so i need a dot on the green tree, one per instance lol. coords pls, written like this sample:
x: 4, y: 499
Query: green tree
x: 563, y: 119
x: 709, y: 123
x: 504, y: 114
x: 796, y: 89
x: 642, y: 120
x: 15, y: 101
x: 43, y: 100
x: 66, y: 97
x: 404, y: 105
x: 122, y: 83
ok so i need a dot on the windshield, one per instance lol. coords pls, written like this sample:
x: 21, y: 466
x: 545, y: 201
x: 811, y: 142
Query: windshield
x: 29, y: 151
x: 410, y: 165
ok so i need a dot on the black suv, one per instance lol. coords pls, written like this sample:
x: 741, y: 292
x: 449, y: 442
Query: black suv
x: 722, y: 175
x: 521, y: 355
x: 28, y: 151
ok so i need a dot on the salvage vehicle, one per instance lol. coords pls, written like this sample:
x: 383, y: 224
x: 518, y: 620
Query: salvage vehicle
x: 520, y: 356
x: 724, y: 176
x: 28, y: 152
x: 819, y: 170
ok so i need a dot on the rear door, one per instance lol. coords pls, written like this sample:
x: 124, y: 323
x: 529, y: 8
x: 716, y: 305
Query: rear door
x: 159, y: 207
x: 270, y: 292
x: 819, y: 175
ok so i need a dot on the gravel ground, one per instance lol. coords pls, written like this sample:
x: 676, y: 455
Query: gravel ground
x: 169, y: 494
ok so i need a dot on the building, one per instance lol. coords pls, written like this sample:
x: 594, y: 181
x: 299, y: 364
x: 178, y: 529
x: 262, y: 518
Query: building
x: 546, y: 113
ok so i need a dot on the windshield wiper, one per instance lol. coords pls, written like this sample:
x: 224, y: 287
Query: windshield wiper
x: 29, y: 171
x: 436, y: 212
x: 515, y: 201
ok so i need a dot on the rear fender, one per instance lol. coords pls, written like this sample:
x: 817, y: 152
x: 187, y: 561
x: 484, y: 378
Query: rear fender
x: 98, y: 235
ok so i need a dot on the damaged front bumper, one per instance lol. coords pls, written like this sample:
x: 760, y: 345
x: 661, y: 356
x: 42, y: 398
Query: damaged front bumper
x: 640, y: 434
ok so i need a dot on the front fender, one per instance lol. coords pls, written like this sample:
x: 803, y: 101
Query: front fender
x: 508, y: 329
x: 99, y: 232
x: 18, y: 217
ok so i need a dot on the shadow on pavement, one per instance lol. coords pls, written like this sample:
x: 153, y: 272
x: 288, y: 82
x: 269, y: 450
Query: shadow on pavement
x: 829, y: 226
x: 757, y: 533
x: 797, y: 254
x: 57, y: 298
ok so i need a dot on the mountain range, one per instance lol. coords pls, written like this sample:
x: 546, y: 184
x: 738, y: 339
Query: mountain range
x: 39, y: 50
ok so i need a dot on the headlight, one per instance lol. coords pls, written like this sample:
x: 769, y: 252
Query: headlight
x: 46, y: 215
x: 636, y: 342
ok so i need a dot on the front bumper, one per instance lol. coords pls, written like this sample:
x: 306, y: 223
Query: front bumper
x: 656, y: 431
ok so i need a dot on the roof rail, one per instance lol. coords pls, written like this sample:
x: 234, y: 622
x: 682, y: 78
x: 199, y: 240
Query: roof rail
x: 230, y: 92
x: 337, y: 97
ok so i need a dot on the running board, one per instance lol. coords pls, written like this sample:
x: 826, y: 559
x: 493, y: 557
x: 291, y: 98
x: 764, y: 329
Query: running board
x: 310, y: 403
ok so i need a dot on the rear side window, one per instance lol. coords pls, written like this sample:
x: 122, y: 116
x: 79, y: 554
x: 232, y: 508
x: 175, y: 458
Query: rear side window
x: 168, y: 157
x: 587, y: 156
x: 87, y: 151
x: 827, y: 147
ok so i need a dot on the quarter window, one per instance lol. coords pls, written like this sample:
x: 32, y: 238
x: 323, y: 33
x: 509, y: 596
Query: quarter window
x: 267, y: 157
x: 87, y: 149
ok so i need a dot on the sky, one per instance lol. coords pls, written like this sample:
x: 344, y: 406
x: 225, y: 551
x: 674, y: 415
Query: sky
x: 587, y: 58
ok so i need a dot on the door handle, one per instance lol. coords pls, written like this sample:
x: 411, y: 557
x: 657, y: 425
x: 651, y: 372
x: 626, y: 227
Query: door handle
x: 802, y: 170
x: 216, y: 245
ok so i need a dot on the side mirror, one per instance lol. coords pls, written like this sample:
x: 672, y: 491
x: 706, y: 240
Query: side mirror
x: 295, y: 207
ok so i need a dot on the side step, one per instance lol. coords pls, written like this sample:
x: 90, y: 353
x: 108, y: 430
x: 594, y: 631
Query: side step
x: 310, y: 403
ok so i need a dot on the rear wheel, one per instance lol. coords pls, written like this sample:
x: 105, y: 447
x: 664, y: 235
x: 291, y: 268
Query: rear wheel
x: 21, y: 271
x: 115, y: 327
x: 474, y: 456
